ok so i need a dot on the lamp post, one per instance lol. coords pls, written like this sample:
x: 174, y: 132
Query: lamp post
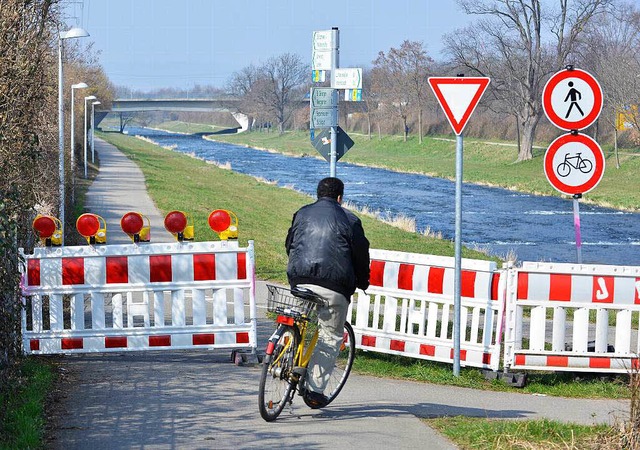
x: 71, y: 34
x: 93, y: 131
x: 73, y: 139
x: 89, y: 97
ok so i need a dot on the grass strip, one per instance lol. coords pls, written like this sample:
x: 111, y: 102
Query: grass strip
x: 178, y: 181
x: 471, y: 433
x: 25, y: 395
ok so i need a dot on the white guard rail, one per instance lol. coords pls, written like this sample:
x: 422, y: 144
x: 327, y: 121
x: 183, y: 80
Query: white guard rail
x: 139, y: 297
x: 570, y: 317
x: 408, y: 309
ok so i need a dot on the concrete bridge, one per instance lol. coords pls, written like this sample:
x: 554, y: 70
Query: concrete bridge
x: 223, y: 103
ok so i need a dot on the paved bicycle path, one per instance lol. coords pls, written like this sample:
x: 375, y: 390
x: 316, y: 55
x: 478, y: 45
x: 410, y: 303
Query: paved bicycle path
x: 189, y: 399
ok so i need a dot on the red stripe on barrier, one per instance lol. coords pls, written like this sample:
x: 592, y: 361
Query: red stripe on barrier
x: 72, y: 343
x: 376, y: 277
x: 115, y: 342
x: 429, y: 350
x: 34, y: 345
x: 602, y: 291
x: 72, y: 271
x: 468, y: 281
x: 117, y: 269
x: 486, y: 358
x: 160, y: 268
x: 33, y: 272
x: 559, y: 287
x: 520, y: 360
x: 495, y: 284
x: 242, y: 338
x: 163, y: 340
x: 463, y: 355
x: 558, y: 361
x: 204, y: 267
x: 405, y: 277
x: 435, y: 285
x: 635, y: 364
x: 523, y: 286
x: 600, y: 363
x: 242, y: 266
x: 368, y: 341
x: 204, y: 339
x: 636, y: 297
x: 396, y: 345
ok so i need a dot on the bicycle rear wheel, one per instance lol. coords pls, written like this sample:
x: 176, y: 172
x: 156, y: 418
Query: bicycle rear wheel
x: 275, y: 383
x: 342, y: 367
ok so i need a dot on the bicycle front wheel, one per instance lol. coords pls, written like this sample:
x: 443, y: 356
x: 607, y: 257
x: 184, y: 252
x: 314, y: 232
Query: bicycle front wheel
x: 342, y: 367
x: 275, y: 383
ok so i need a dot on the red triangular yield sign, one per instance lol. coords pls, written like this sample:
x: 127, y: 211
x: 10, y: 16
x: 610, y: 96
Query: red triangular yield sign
x: 458, y: 97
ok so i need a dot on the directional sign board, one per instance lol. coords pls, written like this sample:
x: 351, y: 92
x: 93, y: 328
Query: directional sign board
x: 324, y: 42
x: 324, y: 117
x: 574, y: 164
x: 572, y: 99
x: 458, y: 97
x: 347, y: 78
x: 324, y: 98
x: 322, y: 143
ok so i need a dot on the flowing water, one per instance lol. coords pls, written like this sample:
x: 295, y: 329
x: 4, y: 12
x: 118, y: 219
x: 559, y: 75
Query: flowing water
x: 497, y: 220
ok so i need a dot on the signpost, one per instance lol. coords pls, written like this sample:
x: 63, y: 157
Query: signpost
x: 458, y: 98
x: 574, y: 163
x: 322, y: 143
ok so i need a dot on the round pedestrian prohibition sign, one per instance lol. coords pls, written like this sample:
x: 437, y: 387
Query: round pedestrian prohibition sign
x: 574, y: 164
x: 572, y: 99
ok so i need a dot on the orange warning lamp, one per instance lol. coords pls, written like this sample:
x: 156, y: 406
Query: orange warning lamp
x: 133, y: 223
x: 93, y: 228
x: 49, y: 229
x: 177, y: 223
x: 225, y: 223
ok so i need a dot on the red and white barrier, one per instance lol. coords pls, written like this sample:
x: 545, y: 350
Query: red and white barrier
x: 136, y: 297
x: 408, y: 309
x: 569, y: 317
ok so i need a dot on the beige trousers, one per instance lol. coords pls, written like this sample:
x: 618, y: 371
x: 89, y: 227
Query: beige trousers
x: 330, y: 334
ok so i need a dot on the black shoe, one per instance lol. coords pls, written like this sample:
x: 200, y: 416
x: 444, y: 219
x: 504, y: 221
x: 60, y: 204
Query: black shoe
x: 315, y: 400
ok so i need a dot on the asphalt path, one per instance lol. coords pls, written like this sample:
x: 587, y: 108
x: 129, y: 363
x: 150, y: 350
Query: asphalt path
x: 202, y: 400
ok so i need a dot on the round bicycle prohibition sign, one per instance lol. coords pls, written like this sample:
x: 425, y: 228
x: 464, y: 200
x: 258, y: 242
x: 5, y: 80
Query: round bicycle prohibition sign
x: 572, y: 99
x: 574, y: 164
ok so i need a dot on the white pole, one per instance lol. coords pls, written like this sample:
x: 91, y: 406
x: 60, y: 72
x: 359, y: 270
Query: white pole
x: 335, y: 62
x: 61, y: 138
x: 85, y: 138
x: 93, y: 152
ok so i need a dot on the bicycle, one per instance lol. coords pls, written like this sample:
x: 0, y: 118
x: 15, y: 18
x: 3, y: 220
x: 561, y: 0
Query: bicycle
x: 581, y: 164
x: 290, y: 348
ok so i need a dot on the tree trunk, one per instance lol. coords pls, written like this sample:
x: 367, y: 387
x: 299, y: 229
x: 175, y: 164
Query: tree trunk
x: 518, y: 137
x: 404, y: 130
x: 369, y: 126
x: 528, y: 133
x: 420, y: 126
x: 379, y: 132
x: 615, y: 146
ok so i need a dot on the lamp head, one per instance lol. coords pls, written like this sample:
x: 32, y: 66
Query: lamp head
x: 75, y: 32
x: 90, y: 97
x: 96, y: 103
x: 79, y: 86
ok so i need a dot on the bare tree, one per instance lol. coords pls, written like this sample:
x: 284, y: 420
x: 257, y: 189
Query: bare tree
x: 509, y: 44
x: 611, y: 51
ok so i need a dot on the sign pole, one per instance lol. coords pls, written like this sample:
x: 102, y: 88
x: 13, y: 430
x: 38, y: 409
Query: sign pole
x: 334, y: 129
x: 576, y: 225
x: 458, y: 258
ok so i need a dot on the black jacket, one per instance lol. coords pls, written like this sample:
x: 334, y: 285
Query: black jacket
x: 327, y: 246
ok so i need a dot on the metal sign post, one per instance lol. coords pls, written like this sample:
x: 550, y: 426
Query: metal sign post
x: 335, y: 62
x: 458, y: 258
x: 576, y: 225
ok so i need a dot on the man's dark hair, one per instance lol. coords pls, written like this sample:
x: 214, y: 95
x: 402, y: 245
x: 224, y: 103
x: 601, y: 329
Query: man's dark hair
x: 330, y: 187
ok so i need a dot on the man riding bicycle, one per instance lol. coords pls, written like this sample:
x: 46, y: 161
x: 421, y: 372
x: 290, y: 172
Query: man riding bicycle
x: 329, y: 254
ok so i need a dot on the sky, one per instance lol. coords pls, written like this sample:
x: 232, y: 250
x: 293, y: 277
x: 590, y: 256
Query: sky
x: 149, y: 44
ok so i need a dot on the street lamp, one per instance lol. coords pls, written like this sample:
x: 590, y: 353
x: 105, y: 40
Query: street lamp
x: 89, y: 97
x: 93, y: 130
x: 73, y: 33
x: 73, y: 139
